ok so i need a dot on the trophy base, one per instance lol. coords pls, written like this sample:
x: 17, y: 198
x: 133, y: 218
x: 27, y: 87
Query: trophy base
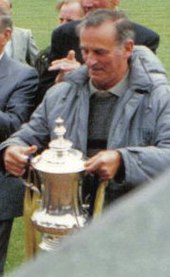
x: 54, y: 227
x: 50, y: 242
x: 57, y: 224
x: 53, y: 231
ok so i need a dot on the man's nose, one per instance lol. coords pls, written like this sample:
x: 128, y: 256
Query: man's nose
x: 88, y: 3
x: 64, y: 21
x: 88, y: 6
x: 90, y: 59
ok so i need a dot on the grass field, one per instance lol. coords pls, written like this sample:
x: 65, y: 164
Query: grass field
x: 39, y: 15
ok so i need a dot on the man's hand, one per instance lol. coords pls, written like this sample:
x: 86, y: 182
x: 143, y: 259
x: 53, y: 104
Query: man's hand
x: 65, y: 65
x: 105, y: 164
x: 16, y: 158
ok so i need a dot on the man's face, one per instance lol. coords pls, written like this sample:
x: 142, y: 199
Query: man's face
x: 5, y: 5
x: 107, y: 61
x: 89, y: 5
x: 70, y: 12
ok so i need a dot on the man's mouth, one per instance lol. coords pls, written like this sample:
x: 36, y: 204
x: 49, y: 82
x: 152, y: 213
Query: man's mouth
x: 95, y: 69
x: 87, y: 10
x: 95, y: 72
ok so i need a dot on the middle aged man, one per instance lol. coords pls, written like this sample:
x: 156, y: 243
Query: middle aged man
x: 18, y: 91
x: 69, y: 10
x: 21, y: 47
x: 116, y: 109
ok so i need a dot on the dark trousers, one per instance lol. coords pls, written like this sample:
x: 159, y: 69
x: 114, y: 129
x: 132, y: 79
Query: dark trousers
x: 5, y: 231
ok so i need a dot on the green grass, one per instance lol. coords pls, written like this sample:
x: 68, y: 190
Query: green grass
x: 16, y: 252
x: 156, y: 15
x: 39, y: 15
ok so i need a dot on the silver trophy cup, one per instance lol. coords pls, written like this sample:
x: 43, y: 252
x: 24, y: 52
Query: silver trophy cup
x: 61, y: 211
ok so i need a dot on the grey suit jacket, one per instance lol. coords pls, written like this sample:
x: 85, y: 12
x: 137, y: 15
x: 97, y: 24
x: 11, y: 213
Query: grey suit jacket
x: 18, y: 86
x: 22, y: 46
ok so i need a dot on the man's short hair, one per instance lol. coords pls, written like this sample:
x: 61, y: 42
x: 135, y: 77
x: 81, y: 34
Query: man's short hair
x: 5, y: 20
x: 63, y: 2
x: 123, y: 26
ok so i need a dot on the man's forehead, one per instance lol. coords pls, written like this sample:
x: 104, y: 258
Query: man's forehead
x: 98, y: 2
x: 101, y: 34
x: 101, y: 3
x: 107, y: 24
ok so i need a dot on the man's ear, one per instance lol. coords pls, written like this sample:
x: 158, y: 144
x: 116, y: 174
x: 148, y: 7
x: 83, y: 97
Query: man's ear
x: 114, y: 3
x: 7, y: 34
x: 129, y: 44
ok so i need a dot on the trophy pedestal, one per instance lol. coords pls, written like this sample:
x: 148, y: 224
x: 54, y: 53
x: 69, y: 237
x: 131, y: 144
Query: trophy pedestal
x: 49, y: 242
x: 55, y: 227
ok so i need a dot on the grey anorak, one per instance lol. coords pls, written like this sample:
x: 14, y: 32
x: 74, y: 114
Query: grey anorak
x: 140, y: 128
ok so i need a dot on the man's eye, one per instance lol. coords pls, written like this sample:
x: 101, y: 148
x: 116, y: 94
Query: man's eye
x: 100, y: 52
x: 84, y: 51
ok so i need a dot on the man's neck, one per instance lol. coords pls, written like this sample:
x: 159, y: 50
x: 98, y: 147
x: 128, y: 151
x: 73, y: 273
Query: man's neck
x: 106, y: 87
x: 118, y: 89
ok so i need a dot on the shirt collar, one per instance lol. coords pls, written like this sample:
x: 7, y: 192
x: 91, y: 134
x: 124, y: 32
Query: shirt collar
x: 1, y: 55
x: 117, y: 90
x: 8, y: 48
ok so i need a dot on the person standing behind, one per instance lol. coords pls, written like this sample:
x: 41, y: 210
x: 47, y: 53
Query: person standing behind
x: 22, y: 46
x: 18, y: 87
x: 69, y: 10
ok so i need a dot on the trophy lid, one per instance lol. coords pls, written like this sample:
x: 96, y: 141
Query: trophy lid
x: 60, y: 158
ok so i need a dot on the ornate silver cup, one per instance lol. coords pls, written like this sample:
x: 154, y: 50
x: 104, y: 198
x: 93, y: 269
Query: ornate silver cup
x: 61, y: 210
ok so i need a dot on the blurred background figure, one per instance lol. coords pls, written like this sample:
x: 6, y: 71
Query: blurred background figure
x: 69, y: 10
x: 22, y: 46
x: 90, y: 5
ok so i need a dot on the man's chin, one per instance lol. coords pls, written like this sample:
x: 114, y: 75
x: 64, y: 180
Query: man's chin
x: 96, y: 82
x: 95, y: 75
x: 87, y: 11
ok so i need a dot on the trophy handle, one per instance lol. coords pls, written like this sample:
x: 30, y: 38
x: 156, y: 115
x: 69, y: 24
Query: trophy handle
x: 31, y: 200
x: 99, y: 199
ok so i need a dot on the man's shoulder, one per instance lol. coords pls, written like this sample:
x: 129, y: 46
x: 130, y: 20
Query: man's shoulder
x: 65, y: 38
x: 22, y: 31
x: 67, y: 29
x: 17, y: 67
x: 20, y: 65
x: 78, y: 76
x: 146, y: 36
x: 144, y: 29
x: 73, y: 82
x: 147, y: 71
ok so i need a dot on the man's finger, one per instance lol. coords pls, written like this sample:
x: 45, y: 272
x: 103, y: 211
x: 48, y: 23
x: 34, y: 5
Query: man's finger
x: 71, y: 55
x: 30, y: 150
